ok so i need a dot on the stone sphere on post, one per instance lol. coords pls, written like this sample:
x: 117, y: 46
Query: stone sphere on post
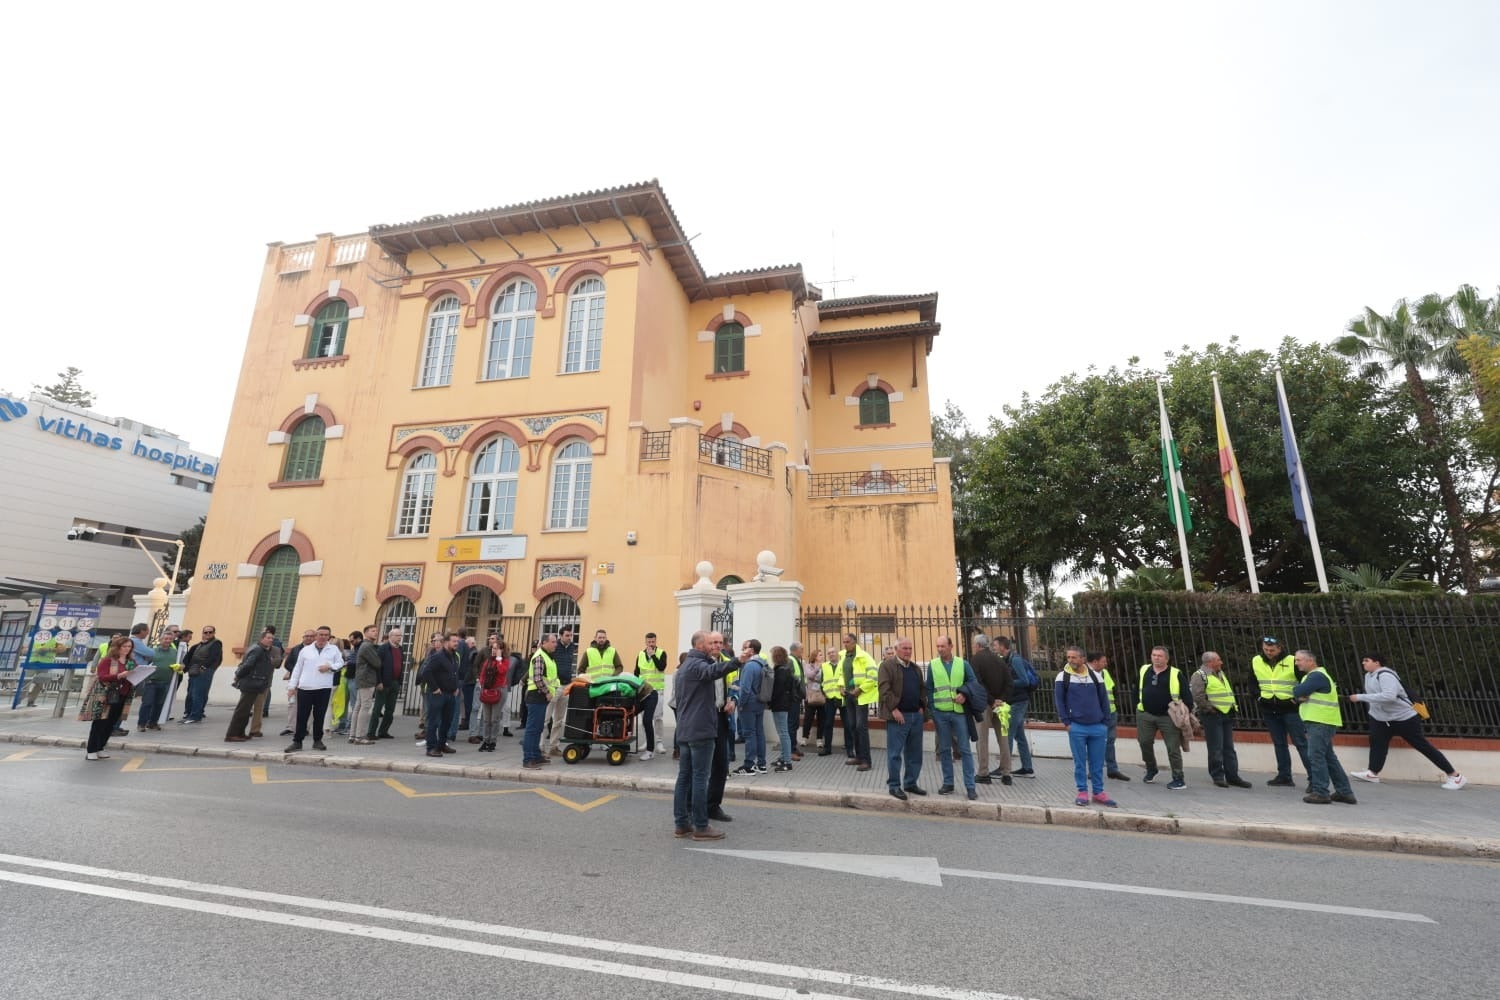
x: 705, y: 571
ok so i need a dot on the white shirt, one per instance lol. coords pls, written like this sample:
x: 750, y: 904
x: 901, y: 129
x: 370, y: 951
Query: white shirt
x: 306, y: 676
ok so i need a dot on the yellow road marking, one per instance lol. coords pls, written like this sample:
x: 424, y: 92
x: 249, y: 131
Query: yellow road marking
x: 575, y: 806
x: 135, y: 764
x: 21, y: 755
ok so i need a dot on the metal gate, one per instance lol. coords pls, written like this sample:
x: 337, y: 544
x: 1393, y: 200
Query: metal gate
x: 721, y: 619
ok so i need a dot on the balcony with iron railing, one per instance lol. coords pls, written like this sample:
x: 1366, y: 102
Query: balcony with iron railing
x: 882, y: 482
x: 656, y: 446
x: 732, y: 454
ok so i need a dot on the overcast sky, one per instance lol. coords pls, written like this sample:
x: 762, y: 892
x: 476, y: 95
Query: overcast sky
x: 1080, y: 183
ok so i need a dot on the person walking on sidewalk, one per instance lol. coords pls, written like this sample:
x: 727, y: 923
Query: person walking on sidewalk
x: 950, y: 681
x: 1275, y: 676
x: 109, y: 700
x: 311, y: 684
x: 994, y: 674
x: 1318, y: 701
x: 1083, y: 708
x: 1022, y: 683
x: 1160, y: 685
x: 1099, y: 663
x: 696, y: 689
x: 1392, y: 714
x: 861, y: 678
x: 253, y: 679
x: 1213, y: 701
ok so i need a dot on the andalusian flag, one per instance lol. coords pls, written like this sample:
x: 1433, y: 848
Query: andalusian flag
x: 1171, y: 472
x: 1229, y: 468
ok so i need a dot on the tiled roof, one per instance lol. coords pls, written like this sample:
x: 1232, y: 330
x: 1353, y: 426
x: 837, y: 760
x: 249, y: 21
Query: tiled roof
x: 872, y: 333
x: 874, y: 305
x: 645, y: 201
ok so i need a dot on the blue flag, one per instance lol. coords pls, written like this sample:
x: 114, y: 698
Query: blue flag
x: 1293, y: 459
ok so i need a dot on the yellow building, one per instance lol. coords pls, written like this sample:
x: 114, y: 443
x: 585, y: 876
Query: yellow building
x: 547, y: 413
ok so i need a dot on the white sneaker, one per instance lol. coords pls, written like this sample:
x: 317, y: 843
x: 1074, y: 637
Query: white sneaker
x: 644, y: 755
x: 1369, y: 776
x: 1456, y: 782
x: 661, y: 748
x: 91, y: 756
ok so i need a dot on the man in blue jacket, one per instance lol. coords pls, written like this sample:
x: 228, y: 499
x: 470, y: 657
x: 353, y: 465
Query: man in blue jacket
x: 1083, y: 707
x: 696, y: 689
x: 752, y: 709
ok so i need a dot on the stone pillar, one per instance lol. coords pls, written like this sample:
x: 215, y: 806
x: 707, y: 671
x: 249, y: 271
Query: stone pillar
x: 695, y: 605
x: 767, y: 607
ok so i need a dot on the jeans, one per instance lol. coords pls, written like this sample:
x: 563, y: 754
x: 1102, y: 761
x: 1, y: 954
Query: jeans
x: 197, y: 695
x: 153, y: 696
x: 1281, y: 728
x: 1086, y: 740
x: 1409, y: 730
x: 903, y: 745
x: 953, y: 731
x: 383, y: 712
x: 753, y: 728
x: 1323, y: 763
x: 784, y: 729
x: 831, y: 711
x: 1218, y: 736
x: 311, y: 703
x: 468, y: 706
x: 691, y: 792
x: 719, y: 773
x: 859, y: 728
x: 1017, y: 735
x: 441, y: 718
x: 1146, y: 726
x: 1111, y: 724
x: 531, y: 742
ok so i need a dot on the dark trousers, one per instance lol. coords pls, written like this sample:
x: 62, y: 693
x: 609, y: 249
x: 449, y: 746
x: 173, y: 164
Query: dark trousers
x: 859, y: 729
x: 100, y: 731
x: 833, y: 710
x: 468, y: 705
x: 812, y: 719
x: 383, y: 712
x: 720, y: 772
x: 1409, y: 730
x: 440, y: 709
x: 311, y: 702
x: 153, y: 696
x: 648, y: 719
x: 1282, y: 728
x: 1218, y: 736
x: 242, y: 710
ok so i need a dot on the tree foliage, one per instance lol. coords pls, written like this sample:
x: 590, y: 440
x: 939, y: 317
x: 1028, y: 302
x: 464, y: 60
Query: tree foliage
x: 191, y: 538
x: 68, y: 388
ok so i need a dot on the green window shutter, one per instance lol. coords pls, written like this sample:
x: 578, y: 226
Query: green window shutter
x: 729, y: 349
x: 327, y: 337
x: 874, y: 407
x: 276, y: 597
x: 304, y: 452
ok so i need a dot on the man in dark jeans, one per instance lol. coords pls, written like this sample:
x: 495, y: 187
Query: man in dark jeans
x: 199, y: 666
x: 440, y: 672
x: 389, y: 689
x: 700, y: 726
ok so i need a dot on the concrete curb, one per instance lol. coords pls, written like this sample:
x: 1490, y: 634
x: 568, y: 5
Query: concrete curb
x: 1076, y: 817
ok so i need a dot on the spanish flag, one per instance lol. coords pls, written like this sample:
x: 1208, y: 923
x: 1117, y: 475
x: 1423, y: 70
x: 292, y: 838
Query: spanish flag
x: 1229, y: 468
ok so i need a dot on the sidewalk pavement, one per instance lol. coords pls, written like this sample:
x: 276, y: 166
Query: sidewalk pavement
x: 1404, y: 816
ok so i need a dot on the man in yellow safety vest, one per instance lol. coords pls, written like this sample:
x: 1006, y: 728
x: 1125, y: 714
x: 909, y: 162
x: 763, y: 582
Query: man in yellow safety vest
x: 651, y: 667
x: 861, y: 679
x: 1318, y: 701
x: 1213, y: 701
x: 1275, y: 676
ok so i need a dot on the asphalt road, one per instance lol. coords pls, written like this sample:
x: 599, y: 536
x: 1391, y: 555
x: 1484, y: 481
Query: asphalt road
x: 173, y: 878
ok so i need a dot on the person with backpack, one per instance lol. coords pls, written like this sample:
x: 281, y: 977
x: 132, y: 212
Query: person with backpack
x: 756, y: 686
x: 1083, y: 708
x: 493, y: 680
x: 1392, y: 714
x: 1023, y: 682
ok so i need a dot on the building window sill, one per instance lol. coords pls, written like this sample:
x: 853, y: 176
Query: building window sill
x: 563, y: 531
x: 435, y: 385
x: 718, y: 376
x: 283, y: 485
x: 335, y: 361
x: 872, y: 427
x: 581, y: 371
x: 398, y: 538
x: 505, y: 378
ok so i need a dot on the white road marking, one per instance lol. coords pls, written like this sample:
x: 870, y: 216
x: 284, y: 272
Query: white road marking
x: 639, y: 951
x: 925, y: 871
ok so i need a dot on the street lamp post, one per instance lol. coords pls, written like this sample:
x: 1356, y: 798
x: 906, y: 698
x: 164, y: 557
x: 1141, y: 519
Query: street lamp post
x: 84, y: 532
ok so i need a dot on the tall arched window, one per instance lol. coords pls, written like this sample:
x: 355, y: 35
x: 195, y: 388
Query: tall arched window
x: 492, y: 487
x: 328, y: 328
x: 512, y: 324
x: 304, y: 452
x: 398, y: 612
x: 729, y: 349
x: 572, y: 475
x: 414, y: 508
x: 276, y: 594
x: 874, y: 407
x: 441, y: 341
x: 583, y: 344
x: 557, y: 611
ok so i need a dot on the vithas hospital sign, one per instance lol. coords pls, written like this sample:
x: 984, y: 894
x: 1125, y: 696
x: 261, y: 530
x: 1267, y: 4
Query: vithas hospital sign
x: 76, y: 430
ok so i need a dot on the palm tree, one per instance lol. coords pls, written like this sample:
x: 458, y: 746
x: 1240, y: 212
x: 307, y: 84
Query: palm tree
x: 1367, y: 579
x: 1409, y: 340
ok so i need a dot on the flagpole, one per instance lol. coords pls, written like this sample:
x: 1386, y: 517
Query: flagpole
x: 1172, y: 495
x: 1312, y: 525
x: 1237, y: 490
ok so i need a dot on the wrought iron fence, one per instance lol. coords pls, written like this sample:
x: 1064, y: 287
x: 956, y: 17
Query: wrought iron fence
x: 843, y: 484
x: 734, y: 455
x: 656, y: 446
x: 1445, y: 648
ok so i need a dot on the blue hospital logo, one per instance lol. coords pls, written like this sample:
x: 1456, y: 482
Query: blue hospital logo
x: 11, y: 409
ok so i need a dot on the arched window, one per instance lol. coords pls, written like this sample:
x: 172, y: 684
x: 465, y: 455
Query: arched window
x: 414, y: 508
x: 726, y: 581
x: 728, y: 451
x: 304, y: 452
x: 276, y: 594
x: 398, y: 612
x: 557, y: 611
x: 492, y: 487
x: 583, y: 343
x: 512, y: 324
x: 572, y: 472
x: 328, y: 328
x: 442, y: 340
x: 729, y: 349
x: 874, y: 407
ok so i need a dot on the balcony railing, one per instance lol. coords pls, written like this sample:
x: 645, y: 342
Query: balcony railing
x: 886, y: 481
x: 734, y: 455
x: 656, y: 446
x: 350, y: 250
x: 297, y: 258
